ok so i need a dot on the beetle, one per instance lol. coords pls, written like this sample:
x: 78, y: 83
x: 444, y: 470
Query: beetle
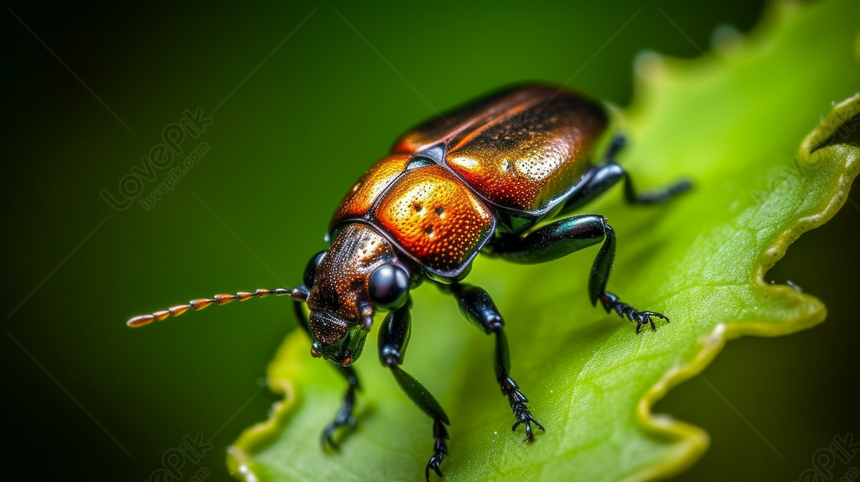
x: 501, y: 177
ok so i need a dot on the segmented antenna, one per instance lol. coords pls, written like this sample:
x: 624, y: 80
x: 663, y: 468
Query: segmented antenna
x: 199, y: 304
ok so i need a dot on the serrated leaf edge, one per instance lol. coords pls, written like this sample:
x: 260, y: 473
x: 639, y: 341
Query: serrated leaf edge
x: 692, y: 441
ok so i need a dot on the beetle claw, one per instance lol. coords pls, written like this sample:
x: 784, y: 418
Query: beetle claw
x: 327, y: 437
x: 344, y: 417
x: 434, y: 464
x: 440, y: 449
x: 518, y: 403
x: 610, y: 302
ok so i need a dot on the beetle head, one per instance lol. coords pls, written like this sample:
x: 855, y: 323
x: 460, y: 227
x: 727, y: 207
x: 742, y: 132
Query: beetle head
x: 358, y: 274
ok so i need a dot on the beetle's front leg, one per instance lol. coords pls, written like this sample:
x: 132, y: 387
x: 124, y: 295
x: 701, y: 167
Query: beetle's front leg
x: 344, y: 415
x: 566, y: 236
x: 393, y: 339
x: 476, y: 306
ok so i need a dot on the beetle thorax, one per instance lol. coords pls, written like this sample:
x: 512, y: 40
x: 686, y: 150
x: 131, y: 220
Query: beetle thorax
x: 341, y: 281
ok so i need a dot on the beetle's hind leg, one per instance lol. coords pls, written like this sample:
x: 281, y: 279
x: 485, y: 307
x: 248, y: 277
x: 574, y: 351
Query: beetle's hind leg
x: 393, y: 339
x: 566, y: 236
x: 478, y: 308
x: 344, y: 416
x: 604, y: 177
x: 653, y: 196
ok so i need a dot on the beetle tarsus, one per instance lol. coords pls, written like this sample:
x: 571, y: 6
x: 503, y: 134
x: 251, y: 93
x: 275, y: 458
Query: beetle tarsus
x: 440, y: 433
x: 610, y: 302
x: 518, y: 403
x: 344, y: 417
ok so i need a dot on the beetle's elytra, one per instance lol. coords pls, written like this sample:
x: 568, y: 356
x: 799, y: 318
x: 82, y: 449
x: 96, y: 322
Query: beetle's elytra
x: 497, y: 177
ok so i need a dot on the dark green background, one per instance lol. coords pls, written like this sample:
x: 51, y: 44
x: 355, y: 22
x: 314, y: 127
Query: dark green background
x: 284, y: 148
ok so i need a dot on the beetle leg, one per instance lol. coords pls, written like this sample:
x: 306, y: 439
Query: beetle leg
x: 606, y: 176
x: 566, y: 236
x: 344, y: 415
x: 655, y: 195
x: 597, y: 286
x: 393, y: 339
x: 478, y: 308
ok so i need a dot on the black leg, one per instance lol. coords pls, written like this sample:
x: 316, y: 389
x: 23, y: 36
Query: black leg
x: 344, y: 415
x: 477, y: 307
x: 608, y: 175
x: 393, y: 339
x: 653, y: 196
x: 567, y: 236
x: 618, y: 142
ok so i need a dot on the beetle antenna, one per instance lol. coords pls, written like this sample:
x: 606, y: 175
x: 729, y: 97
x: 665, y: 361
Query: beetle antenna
x: 200, y: 303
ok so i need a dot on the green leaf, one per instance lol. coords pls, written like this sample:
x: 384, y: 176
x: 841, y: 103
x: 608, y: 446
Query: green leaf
x: 736, y: 122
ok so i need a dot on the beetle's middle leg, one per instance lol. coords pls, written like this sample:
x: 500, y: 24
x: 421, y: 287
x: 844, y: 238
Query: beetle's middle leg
x: 566, y: 236
x: 393, y: 339
x: 344, y: 415
x: 478, y: 308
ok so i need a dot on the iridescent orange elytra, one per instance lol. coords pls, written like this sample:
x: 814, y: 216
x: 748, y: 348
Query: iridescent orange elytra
x: 516, y: 153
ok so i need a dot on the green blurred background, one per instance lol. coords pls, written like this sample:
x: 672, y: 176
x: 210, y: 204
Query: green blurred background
x: 288, y: 138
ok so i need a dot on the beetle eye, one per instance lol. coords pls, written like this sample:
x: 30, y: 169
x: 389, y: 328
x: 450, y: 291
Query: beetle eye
x: 311, y: 269
x: 389, y: 286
